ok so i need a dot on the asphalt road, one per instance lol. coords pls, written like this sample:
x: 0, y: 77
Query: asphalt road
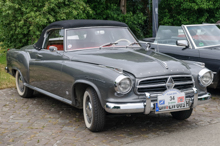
x: 42, y: 120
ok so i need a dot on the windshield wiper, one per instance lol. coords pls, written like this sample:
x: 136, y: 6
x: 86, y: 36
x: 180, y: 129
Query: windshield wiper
x: 107, y: 44
x: 131, y: 44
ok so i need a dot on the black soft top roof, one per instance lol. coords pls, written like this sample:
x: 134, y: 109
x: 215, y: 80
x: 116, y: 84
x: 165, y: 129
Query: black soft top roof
x: 76, y: 23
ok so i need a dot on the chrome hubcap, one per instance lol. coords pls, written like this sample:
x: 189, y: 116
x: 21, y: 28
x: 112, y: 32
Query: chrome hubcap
x: 88, y: 109
x: 20, y: 83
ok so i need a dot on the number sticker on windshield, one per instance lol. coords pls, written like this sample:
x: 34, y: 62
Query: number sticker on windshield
x: 201, y: 44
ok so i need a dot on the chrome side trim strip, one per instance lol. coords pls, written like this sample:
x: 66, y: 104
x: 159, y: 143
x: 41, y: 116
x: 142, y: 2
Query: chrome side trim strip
x: 49, y: 94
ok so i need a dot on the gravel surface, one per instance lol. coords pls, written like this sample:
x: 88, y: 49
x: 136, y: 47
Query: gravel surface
x: 42, y: 120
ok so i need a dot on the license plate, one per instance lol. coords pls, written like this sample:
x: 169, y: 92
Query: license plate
x: 171, y: 99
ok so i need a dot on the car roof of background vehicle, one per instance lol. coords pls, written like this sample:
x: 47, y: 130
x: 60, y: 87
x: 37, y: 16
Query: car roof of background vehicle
x: 74, y: 24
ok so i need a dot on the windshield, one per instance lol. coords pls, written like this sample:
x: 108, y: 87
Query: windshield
x: 169, y: 35
x: 86, y: 38
x: 204, y: 35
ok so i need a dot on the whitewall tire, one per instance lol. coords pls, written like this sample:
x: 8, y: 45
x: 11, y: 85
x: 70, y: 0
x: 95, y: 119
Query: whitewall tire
x: 22, y: 90
x: 94, y: 114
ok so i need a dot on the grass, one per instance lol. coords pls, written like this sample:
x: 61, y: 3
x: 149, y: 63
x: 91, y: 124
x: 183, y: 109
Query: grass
x: 6, y: 80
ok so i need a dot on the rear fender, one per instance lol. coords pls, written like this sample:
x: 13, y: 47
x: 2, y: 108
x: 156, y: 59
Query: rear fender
x: 19, y: 60
x: 16, y: 69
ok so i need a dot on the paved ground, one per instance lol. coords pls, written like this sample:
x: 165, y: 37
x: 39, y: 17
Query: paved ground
x: 202, y: 136
x: 42, y: 120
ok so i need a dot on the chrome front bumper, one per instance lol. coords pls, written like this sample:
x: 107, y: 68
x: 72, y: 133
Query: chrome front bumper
x: 149, y: 106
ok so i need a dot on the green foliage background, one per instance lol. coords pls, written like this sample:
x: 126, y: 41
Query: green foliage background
x: 109, y: 10
x: 178, y: 12
x: 21, y: 21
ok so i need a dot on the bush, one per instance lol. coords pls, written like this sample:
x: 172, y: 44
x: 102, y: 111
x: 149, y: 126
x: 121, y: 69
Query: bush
x: 21, y: 21
x: 178, y: 12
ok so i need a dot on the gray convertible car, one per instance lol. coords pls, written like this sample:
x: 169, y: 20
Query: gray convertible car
x: 100, y: 67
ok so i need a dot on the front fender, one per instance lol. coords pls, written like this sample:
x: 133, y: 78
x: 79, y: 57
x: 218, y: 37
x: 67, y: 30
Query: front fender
x: 90, y: 84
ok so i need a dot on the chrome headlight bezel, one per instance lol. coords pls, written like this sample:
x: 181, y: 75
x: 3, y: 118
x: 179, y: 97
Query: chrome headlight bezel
x: 118, y: 81
x: 201, y: 74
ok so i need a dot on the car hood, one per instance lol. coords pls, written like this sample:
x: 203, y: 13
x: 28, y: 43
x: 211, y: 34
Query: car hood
x: 140, y: 63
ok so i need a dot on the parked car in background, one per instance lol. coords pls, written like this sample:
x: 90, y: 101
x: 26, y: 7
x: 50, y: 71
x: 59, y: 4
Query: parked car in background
x: 199, y: 43
x: 99, y: 66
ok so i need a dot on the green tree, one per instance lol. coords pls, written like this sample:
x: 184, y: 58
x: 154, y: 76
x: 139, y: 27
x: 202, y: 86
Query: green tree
x: 110, y: 10
x: 21, y: 21
x: 178, y: 12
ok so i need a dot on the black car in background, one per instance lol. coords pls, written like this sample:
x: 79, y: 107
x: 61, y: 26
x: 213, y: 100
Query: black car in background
x: 199, y: 43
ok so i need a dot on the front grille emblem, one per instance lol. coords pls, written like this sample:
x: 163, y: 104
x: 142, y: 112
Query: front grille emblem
x: 170, y: 83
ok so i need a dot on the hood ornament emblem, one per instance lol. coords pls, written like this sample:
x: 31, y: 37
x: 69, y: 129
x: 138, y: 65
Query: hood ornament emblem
x: 170, y: 83
x: 165, y: 64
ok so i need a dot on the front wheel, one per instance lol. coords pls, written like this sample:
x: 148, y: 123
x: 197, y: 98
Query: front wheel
x: 22, y: 90
x: 182, y: 115
x: 94, y: 114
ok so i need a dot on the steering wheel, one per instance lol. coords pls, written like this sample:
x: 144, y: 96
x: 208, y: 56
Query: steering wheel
x: 123, y: 40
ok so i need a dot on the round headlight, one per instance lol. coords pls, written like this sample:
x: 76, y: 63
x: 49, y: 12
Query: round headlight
x: 123, y: 84
x: 205, y: 77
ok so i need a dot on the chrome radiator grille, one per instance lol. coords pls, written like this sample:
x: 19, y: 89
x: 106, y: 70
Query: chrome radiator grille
x: 160, y: 84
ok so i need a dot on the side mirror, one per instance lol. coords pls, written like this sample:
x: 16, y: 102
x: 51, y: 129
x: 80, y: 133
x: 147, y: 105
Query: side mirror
x: 53, y: 49
x: 148, y: 46
x: 182, y: 43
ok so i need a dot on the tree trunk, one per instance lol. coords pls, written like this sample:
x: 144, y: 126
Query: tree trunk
x: 123, y: 6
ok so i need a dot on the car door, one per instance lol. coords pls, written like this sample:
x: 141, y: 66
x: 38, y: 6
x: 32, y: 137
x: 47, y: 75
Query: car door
x: 179, y: 52
x: 210, y: 56
x: 165, y: 42
x: 46, y: 71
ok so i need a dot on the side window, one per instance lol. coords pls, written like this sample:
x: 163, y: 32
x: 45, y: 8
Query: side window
x: 169, y: 35
x: 54, y: 38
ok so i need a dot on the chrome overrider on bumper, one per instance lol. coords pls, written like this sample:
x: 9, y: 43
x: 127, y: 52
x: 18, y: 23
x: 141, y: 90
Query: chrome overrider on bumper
x: 149, y: 106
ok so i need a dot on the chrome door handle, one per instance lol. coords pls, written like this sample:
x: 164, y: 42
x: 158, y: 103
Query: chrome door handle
x: 40, y: 56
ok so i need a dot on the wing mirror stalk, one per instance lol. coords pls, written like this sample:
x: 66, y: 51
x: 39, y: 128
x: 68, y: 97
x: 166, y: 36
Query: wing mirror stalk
x: 53, y: 49
x: 148, y: 47
x: 183, y: 43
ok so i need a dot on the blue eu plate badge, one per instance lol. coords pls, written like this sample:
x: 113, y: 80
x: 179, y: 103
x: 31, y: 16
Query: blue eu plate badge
x: 157, y: 108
